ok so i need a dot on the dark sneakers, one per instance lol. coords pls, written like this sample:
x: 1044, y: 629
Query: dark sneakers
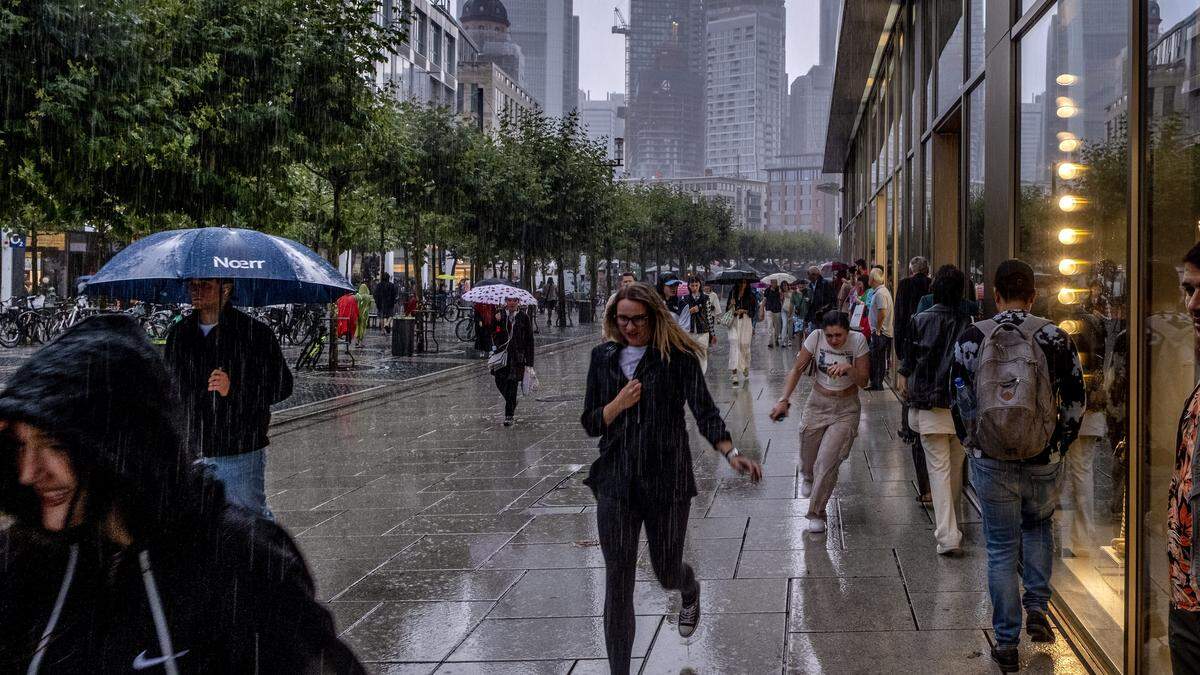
x: 1008, y: 658
x: 1037, y: 625
x: 689, y: 615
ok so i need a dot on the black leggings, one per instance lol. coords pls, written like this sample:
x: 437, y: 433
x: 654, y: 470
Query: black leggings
x: 620, y: 522
x: 508, y: 389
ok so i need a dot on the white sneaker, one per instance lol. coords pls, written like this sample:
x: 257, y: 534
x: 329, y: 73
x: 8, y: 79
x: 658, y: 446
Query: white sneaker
x: 816, y: 525
x: 805, y: 488
x: 733, y: 379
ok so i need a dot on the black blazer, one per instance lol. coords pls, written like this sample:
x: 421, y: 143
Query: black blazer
x: 518, y: 344
x: 646, y: 447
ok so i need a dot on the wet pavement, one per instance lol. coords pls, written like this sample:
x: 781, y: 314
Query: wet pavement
x: 446, y: 543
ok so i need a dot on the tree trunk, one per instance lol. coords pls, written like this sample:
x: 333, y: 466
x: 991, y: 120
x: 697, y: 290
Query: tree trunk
x: 562, y: 294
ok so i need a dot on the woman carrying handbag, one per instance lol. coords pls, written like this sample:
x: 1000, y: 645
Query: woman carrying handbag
x: 514, y: 353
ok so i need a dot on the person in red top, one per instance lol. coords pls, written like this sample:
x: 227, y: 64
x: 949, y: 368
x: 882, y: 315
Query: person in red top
x: 347, y: 307
x: 1183, y: 632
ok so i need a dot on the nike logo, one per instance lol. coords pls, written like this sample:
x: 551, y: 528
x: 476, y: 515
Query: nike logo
x: 142, y: 663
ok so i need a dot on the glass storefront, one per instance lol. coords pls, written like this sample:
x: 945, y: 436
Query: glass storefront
x: 1090, y: 171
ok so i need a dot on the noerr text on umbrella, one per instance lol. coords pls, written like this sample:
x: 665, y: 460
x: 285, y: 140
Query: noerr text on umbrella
x: 238, y: 264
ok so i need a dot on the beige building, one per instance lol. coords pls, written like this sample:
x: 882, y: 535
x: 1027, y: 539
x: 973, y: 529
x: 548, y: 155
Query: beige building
x: 484, y: 82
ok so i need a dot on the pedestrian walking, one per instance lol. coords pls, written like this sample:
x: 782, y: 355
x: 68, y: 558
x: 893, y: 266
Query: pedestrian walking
x: 550, y: 295
x: 881, y: 312
x: 745, y: 306
x: 637, y: 387
x: 702, y: 315
x: 229, y: 371
x: 924, y: 384
x: 385, y: 301
x: 785, y: 315
x: 909, y: 293
x: 713, y: 298
x: 627, y: 279
x: 773, y: 307
x: 514, y: 338
x: 123, y: 554
x: 801, y: 301
x: 824, y: 298
x: 366, y: 302
x: 1018, y: 408
x: 347, y: 311
x: 831, y: 416
x: 484, y: 316
x: 672, y: 293
x: 1183, y: 628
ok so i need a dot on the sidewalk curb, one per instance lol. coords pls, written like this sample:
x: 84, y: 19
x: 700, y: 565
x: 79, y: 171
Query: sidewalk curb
x: 289, y: 419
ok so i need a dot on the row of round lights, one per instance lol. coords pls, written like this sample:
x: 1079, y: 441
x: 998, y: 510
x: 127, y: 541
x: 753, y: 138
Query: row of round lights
x: 1068, y: 143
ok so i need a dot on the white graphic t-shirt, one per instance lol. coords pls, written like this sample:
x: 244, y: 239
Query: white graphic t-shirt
x: 854, y: 347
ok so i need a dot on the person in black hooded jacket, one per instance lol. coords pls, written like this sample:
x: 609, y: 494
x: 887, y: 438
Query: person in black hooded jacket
x: 123, y: 554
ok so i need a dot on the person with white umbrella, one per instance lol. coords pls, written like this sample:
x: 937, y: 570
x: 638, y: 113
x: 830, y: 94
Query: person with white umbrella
x: 514, y: 339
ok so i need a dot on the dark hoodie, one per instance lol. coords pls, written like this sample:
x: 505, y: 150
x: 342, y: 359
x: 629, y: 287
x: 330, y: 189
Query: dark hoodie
x: 219, y: 590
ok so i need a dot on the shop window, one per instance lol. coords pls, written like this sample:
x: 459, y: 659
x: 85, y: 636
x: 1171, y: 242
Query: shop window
x: 1171, y: 193
x: 949, y: 27
x: 1072, y: 211
x: 974, y: 232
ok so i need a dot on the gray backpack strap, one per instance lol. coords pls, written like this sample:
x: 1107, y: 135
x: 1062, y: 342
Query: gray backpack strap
x: 987, y: 327
x: 1032, y: 324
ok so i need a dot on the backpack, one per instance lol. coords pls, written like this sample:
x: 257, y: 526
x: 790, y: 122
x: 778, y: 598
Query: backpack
x: 1015, y: 410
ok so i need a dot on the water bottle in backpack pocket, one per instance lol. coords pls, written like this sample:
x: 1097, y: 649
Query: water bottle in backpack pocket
x: 1014, y: 412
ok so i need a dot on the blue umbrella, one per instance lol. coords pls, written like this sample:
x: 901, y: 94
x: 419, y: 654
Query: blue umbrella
x: 266, y: 270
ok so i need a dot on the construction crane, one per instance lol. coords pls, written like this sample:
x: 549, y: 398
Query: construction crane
x: 620, y: 25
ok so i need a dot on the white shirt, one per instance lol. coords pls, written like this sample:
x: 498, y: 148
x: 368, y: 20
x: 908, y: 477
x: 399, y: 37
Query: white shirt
x: 630, y: 358
x: 853, y: 348
x: 882, y: 300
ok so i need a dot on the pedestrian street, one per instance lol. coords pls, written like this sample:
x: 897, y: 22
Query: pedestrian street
x: 444, y: 542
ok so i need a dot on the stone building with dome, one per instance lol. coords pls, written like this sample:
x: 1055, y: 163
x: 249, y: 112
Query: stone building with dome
x: 489, y: 82
x: 486, y: 21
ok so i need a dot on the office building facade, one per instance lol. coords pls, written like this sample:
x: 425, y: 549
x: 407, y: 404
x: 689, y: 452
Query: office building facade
x: 547, y: 32
x: 604, y: 121
x: 424, y: 68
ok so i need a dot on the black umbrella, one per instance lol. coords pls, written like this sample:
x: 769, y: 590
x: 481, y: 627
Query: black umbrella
x: 730, y: 277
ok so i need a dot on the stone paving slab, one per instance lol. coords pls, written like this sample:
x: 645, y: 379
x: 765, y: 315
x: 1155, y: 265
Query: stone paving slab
x: 447, y: 543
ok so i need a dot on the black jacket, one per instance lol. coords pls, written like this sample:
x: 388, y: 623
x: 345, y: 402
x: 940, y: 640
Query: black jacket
x: 645, y: 449
x: 518, y: 343
x: 824, y: 300
x: 773, y: 300
x: 385, y: 298
x: 908, y: 295
x: 702, y: 321
x: 929, y: 355
x: 219, y: 426
x: 746, y: 302
x: 235, y: 594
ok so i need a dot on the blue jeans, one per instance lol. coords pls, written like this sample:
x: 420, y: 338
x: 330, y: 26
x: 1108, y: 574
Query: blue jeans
x: 1018, y: 503
x: 245, y: 480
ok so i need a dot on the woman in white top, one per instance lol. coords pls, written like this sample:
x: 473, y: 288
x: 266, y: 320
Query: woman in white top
x: 831, y: 415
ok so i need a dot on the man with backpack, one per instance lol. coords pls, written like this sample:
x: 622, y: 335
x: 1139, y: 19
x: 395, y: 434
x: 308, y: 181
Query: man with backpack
x: 1019, y: 401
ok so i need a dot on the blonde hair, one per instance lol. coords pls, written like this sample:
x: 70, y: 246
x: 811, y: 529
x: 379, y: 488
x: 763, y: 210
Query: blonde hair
x: 665, y: 335
x: 877, y: 276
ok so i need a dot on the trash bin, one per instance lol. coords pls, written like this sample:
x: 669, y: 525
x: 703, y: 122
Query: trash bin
x: 586, y: 312
x: 404, y: 336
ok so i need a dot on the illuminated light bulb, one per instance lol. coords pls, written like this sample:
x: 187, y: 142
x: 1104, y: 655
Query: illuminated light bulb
x: 1066, y: 107
x: 1068, y: 296
x: 1068, y: 145
x: 1069, y: 236
x: 1070, y: 326
x: 1069, y: 203
x: 1068, y: 267
x: 1069, y: 170
x: 1066, y: 79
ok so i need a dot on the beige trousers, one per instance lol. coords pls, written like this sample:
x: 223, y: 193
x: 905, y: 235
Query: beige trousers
x: 826, y: 435
x: 741, y: 331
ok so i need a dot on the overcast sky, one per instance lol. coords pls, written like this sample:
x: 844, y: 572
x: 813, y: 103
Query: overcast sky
x: 602, y: 54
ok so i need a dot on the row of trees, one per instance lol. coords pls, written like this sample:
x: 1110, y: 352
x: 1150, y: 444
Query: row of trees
x: 134, y: 116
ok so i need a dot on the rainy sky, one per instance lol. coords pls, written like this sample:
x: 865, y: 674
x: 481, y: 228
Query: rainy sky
x: 602, y: 54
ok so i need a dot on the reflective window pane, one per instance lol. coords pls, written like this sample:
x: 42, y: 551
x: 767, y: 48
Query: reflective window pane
x: 1073, y: 228
x: 977, y: 14
x: 949, y: 27
x: 974, y: 231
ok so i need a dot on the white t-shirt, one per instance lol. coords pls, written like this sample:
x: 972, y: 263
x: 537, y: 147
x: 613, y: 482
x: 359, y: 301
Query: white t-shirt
x: 630, y: 357
x: 854, y: 347
x: 882, y: 300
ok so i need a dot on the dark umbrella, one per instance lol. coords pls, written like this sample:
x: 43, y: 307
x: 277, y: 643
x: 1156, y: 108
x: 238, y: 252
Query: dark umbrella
x: 730, y: 277
x: 267, y: 270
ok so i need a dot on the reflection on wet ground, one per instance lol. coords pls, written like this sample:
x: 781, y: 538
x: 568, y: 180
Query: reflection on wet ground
x: 446, y: 543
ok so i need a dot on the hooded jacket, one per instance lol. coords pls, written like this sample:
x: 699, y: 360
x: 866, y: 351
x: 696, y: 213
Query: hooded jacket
x: 219, y: 426
x: 203, y: 587
x: 929, y: 354
x: 644, y: 452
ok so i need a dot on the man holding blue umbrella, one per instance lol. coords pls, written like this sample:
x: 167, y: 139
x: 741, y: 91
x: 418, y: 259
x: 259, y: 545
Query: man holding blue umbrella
x: 229, y: 370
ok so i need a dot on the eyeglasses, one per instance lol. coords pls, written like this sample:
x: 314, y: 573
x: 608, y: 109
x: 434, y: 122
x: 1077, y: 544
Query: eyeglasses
x: 640, y: 320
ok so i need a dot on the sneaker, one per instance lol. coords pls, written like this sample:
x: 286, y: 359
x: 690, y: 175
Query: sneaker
x: 950, y: 551
x: 815, y: 525
x: 805, y: 488
x: 689, y: 615
x: 508, y: 421
x: 733, y: 379
x: 1037, y: 625
x: 1008, y: 658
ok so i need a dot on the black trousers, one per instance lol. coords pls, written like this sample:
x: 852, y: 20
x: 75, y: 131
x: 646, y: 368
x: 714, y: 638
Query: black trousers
x: 918, y: 451
x: 620, y: 522
x: 508, y: 389
x: 1183, y: 636
x: 881, y: 348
